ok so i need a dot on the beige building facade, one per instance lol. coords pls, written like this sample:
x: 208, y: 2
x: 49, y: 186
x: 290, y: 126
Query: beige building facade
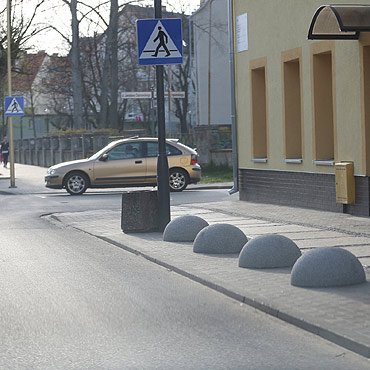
x: 303, y: 106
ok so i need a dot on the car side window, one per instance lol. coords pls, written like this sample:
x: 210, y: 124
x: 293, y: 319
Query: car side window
x: 171, y: 150
x: 125, y: 151
x: 152, y: 149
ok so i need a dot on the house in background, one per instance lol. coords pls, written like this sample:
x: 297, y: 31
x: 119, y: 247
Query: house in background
x: 210, y: 73
x: 302, y: 108
x: 28, y: 80
x: 211, y: 64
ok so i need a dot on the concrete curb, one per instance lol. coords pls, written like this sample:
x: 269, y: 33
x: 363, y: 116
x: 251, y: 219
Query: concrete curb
x: 324, y: 333
x: 211, y: 186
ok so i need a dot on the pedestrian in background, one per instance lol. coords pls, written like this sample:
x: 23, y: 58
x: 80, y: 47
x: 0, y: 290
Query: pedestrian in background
x: 5, y: 151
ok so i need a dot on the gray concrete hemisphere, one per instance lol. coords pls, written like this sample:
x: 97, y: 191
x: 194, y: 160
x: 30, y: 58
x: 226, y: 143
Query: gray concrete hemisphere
x: 327, y: 267
x: 184, y: 229
x: 220, y: 239
x: 269, y: 251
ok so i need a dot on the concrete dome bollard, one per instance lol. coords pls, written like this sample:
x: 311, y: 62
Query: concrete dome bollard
x: 269, y: 251
x: 219, y: 239
x: 327, y: 267
x: 184, y: 229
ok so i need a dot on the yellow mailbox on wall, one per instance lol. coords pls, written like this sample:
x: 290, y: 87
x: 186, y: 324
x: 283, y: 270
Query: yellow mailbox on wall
x: 345, y: 182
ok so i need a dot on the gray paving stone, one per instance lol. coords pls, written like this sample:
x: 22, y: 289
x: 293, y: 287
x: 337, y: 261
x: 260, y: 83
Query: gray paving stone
x: 243, y: 222
x: 358, y: 251
x: 345, y: 240
x: 315, y: 234
x: 275, y: 229
x: 365, y: 261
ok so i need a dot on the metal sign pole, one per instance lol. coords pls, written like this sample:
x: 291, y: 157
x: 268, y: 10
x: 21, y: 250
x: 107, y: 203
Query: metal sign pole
x: 10, y: 119
x: 162, y: 163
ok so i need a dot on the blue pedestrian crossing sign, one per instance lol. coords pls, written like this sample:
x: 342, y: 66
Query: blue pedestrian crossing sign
x: 159, y: 41
x: 14, y: 106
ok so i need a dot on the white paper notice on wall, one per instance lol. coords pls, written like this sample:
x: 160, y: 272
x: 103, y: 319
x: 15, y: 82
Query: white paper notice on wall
x: 242, y: 32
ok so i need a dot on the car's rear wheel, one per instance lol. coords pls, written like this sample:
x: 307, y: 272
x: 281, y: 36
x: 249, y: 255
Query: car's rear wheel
x: 76, y: 183
x: 178, y: 179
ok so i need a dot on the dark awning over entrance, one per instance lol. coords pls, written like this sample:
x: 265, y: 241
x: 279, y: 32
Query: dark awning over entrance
x: 339, y: 22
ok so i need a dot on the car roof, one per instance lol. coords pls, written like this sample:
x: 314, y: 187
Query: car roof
x: 145, y: 139
x: 136, y: 138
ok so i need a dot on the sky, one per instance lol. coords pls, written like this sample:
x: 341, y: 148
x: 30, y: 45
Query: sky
x: 59, y: 15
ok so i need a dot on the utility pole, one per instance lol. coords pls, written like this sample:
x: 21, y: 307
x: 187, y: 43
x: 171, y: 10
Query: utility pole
x: 162, y: 162
x: 10, y: 119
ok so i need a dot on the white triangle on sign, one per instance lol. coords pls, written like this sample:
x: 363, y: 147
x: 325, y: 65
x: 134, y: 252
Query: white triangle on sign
x: 14, y: 107
x: 151, y: 45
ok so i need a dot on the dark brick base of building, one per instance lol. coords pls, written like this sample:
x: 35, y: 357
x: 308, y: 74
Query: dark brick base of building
x: 301, y: 189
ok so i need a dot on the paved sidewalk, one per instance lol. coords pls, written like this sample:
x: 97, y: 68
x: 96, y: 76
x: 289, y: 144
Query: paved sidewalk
x: 341, y: 315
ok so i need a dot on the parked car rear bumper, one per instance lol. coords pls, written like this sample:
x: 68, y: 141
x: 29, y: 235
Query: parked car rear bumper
x: 195, y: 175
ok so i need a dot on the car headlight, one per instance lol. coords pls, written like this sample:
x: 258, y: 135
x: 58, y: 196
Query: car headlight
x: 51, y: 171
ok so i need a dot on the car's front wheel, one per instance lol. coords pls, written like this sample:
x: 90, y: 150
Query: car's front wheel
x: 76, y: 183
x: 178, y: 179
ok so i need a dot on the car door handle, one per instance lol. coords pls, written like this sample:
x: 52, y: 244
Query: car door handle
x: 137, y: 162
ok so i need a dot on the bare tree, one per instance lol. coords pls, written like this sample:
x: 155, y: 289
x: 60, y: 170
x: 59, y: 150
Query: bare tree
x: 76, y: 67
x: 22, y: 29
x: 181, y: 79
x: 181, y: 83
x: 110, y: 65
x: 113, y: 27
x: 57, y: 85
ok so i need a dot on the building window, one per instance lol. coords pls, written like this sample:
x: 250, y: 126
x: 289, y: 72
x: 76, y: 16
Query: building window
x: 259, y: 109
x: 323, y: 107
x: 292, y: 105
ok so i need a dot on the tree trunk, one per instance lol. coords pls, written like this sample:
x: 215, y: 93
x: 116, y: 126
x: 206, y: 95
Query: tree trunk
x: 103, y: 115
x: 33, y: 114
x: 182, y: 84
x: 113, y: 24
x: 76, y: 69
x: 110, y: 73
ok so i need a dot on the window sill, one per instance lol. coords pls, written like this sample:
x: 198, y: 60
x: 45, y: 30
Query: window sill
x: 293, y: 160
x: 259, y: 160
x: 324, y: 162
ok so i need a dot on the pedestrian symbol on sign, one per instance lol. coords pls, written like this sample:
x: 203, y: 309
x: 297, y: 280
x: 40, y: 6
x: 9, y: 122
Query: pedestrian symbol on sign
x: 15, y: 108
x: 161, y: 37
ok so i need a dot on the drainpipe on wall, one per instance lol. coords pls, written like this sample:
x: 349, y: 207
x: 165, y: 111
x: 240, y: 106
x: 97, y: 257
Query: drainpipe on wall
x: 235, y: 188
x: 209, y: 61
x: 191, y: 93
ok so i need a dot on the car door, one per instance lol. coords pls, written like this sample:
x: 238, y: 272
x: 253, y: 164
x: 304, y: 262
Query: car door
x: 151, y: 160
x: 121, y: 165
x: 173, y: 155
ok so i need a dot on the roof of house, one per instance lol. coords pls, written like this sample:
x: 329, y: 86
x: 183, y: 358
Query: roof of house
x: 26, y: 69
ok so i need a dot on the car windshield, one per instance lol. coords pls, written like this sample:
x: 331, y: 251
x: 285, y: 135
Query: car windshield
x: 102, y: 151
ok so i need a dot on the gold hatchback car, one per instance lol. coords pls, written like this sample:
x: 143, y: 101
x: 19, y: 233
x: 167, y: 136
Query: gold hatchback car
x: 126, y: 162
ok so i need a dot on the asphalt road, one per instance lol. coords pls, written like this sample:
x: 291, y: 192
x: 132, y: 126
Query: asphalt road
x: 71, y: 301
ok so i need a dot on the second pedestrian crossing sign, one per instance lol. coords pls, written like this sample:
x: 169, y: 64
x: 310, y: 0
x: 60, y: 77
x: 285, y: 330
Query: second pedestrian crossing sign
x: 159, y: 41
x: 14, y: 106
